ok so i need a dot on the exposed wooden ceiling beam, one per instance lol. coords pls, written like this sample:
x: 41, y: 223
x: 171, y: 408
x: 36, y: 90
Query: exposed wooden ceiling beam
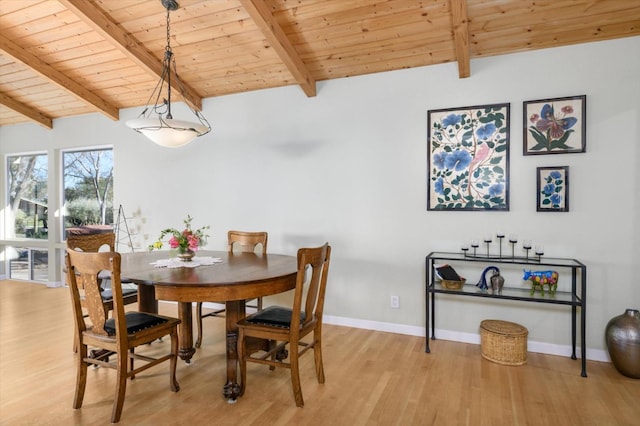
x: 265, y: 21
x: 57, y: 77
x: 26, y: 110
x: 460, y: 24
x: 93, y: 16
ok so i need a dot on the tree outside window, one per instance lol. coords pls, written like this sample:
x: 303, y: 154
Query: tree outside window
x: 88, y: 188
x: 28, y: 198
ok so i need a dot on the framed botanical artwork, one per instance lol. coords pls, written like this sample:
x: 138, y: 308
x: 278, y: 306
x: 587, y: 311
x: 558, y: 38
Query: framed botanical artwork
x: 553, y: 189
x: 468, y: 158
x: 555, y: 126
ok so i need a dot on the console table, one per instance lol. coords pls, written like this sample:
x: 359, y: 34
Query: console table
x: 576, y: 298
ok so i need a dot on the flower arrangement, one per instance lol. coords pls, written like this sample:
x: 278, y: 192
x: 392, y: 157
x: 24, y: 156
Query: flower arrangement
x: 185, y: 241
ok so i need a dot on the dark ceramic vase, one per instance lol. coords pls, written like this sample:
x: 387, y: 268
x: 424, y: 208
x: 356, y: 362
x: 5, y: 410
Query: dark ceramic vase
x: 623, y: 342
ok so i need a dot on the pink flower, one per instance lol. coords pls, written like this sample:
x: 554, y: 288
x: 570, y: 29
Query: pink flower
x: 193, y: 242
x: 173, y: 242
x: 567, y: 109
x: 534, y: 118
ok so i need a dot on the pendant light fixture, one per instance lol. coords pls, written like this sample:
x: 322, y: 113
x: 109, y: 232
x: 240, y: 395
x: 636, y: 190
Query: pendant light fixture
x: 156, y: 121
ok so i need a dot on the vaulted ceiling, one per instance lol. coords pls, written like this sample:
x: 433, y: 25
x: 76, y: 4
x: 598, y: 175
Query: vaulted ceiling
x: 61, y: 58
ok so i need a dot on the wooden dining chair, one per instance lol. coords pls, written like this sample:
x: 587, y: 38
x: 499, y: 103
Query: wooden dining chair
x: 285, y: 327
x: 118, y: 336
x: 94, y: 243
x: 246, y: 242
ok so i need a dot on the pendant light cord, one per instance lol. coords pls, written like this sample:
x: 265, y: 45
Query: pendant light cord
x: 168, y: 54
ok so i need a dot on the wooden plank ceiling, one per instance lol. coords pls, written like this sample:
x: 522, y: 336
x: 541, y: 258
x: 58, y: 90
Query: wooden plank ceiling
x: 61, y: 58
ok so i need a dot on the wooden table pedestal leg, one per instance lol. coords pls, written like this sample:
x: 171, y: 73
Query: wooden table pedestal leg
x: 185, y: 332
x: 235, y: 311
x: 147, y: 299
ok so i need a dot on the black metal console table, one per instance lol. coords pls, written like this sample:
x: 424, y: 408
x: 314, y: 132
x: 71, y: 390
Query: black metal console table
x: 576, y: 298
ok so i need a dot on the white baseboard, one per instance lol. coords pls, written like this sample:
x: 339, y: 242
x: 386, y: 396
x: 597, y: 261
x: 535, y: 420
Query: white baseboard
x: 456, y: 336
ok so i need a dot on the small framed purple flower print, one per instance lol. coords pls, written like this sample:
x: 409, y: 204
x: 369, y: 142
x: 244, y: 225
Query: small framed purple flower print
x: 555, y: 126
x: 468, y: 158
x: 553, y: 189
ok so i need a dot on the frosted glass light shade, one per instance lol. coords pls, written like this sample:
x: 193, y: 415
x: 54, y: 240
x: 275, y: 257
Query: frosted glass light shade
x: 168, y: 132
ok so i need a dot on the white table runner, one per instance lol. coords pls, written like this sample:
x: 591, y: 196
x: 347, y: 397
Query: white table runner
x: 196, y: 261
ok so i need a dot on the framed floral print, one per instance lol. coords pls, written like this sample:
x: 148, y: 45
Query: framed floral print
x: 555, y: 126
x: 553, y: 189
x: 468, y: 158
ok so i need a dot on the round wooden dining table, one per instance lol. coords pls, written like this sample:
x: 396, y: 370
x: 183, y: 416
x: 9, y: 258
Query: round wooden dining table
x: 239, y: 277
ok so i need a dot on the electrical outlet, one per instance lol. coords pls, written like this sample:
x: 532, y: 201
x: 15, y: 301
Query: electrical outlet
x: 395, y: 302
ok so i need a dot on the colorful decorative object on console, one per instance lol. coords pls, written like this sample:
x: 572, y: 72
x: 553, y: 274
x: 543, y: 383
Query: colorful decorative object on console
x: 540, y: 279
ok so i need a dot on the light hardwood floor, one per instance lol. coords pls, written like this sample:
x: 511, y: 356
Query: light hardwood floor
x: 372, y: 378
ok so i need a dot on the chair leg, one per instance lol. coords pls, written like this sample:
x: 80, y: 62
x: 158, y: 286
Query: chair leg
x: 81, y: 376
x: 275, y: 356
x: 259, y: 303
x: 131, y: 367
x: 295, y: 374
x: 199, y: 322
x: 242, y: 360
x: 173, y: 382
x: 121, y: 386
x: 75, y: 340
x: 317, y: 353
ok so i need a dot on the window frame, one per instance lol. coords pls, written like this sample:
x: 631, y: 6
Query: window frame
x: 61, y: 185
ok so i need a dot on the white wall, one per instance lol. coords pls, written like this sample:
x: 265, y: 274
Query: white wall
x: 349, y: 167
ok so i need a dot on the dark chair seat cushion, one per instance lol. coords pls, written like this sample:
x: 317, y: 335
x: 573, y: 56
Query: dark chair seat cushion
x: 136, y: 321
x: 274, y: 315
x: 107, y: 294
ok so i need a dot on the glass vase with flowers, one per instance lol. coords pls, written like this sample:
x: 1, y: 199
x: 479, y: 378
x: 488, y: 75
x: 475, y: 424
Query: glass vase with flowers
x: 186, y: 242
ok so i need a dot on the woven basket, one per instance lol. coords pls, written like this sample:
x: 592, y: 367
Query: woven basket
x: 453, y: 285
x: 503, y: 342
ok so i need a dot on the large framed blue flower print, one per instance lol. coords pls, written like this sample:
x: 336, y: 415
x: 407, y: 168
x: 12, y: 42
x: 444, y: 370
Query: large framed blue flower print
x: 555, y: 126
x: 468, y: 158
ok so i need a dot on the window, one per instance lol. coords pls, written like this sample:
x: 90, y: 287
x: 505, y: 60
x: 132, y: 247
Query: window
x: 27, y: 190
x: 27, y: 211
x: 88, y: 188
x: 29, y: 264
x: 86, y: 178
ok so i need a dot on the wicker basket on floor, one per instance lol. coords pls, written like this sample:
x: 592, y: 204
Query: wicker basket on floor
x: 503, y: 342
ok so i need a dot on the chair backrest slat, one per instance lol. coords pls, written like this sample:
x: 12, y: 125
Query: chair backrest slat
x: 247, y: 240
x: 91, y: 242
x: 318, y: 260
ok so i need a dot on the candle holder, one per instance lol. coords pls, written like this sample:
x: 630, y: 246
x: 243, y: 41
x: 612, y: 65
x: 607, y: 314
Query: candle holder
x: 500, y: 236
x: 526, y: 245
x: 513, y: 239
x: 530, y: 254
x: 474, y: 245
x: 487, y: 241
